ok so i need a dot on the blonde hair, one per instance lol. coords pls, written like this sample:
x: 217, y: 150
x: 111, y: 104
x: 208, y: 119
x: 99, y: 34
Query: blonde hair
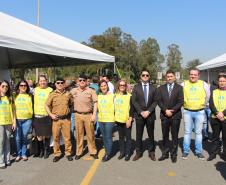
x: 118, y: 85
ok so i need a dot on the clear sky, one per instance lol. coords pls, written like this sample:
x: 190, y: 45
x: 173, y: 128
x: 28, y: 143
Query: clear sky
x: 197, y: 26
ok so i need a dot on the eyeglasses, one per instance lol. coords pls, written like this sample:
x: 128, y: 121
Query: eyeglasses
x: 23, y: 85
x: 4, y: 86
x: 58, y: 83
x: 122, y: 85
x: 82, y: 80
x: 145, y: 75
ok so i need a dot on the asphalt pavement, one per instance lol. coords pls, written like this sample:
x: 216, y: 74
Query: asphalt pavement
x: 192, y: 171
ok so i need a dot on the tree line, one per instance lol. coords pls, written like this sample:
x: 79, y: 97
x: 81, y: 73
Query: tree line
x: 130, y: 56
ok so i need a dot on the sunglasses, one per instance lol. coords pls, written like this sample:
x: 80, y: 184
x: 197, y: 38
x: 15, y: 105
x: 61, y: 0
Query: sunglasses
x: 23, y: 85
x: 58, y: 83
x: 122, y: 85
x: 82, y: 80
x: 145, y: 75
x: 4, y: 86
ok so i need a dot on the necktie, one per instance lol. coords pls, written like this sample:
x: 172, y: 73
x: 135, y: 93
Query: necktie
x: 145, y: 94
x: 170, y: 89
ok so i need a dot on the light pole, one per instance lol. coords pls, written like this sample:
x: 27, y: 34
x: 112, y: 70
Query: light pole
x: 38, y: 23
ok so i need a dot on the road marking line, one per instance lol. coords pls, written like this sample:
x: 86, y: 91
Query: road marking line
x: 92, y: 170
x: 171, y: 174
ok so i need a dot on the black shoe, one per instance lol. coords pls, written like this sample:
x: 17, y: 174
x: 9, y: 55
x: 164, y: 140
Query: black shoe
x: 223, y: 156
x: 46, y: 154
x: 137, y: 156
x: 152, y: 156
x: 121, y: 156
x: 95, y: 156
x: 205, y: 138
x: 200, y: 156
x: 41, y: 154
x: 174, y: 159
x: 106, y: 158
x: 127, y: 157
x: 77, y: 157
x: 211, y: 157
x: 56, y: 159
x: 36, y: 155
x: 163, y: 157
x: 69, y: 158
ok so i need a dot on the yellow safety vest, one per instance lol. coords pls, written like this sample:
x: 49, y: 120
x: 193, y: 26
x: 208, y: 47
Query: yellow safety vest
x: 122, y: 106
x: 219, y: 100
x: 106, y: 108
x: 40, y: 97
x: 194, y: 95
x: 23, y: 106
x: 6, y: 111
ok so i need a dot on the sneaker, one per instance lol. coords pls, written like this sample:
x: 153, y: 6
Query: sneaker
x: 200, y: 156
x: 18, y: 158
x: 185, y: 156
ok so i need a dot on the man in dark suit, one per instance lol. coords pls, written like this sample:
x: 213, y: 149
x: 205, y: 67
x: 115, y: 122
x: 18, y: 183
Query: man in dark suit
x: 144, y: 103
x: 170, y: 101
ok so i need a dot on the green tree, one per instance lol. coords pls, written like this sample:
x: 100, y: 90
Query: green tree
x: 174, y: 57
x: 150, y: 56
x: 193, y: 64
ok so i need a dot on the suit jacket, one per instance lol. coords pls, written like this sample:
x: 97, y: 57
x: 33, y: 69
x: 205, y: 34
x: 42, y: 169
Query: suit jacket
x: 138, y: 101
x: 174, y: 102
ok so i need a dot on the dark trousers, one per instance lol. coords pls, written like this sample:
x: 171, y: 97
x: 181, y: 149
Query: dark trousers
x: 125, y: 141
x: 174, y: 126
x: 218, y: 126
x: 150, y: 125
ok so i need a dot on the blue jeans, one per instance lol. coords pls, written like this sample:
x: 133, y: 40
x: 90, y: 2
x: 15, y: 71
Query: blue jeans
x: 206, y: 122
x: 106, y: 130
x: 97, y: 128
x: 193, y: 120
x: 72, y: 123
x: 22, y: 131
x: 5, y: 132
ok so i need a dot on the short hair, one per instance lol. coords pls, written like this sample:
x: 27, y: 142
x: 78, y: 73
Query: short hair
x: 59, y: 79
x: 194, y: 69
x: 221, y: 75
x: 83, y: 76
x: 95, y: 79
x: 42, y: 76
x: 170, y: 71
x: 108, y: 76
x: 145, y: 70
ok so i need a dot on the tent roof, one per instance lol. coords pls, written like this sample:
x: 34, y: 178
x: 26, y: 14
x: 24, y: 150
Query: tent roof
x: 214, y: 63
x: 23, y: 44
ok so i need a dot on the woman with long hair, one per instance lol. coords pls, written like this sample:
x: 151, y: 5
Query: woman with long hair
x: 24, y: 113
x: 218, y: 118
x: 7, y: 123
x: 106, y: 117
x: 42, y: 122
x: 123, y: 119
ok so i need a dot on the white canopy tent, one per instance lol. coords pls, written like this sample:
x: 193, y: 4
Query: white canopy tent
x: 23, y: 45
x: 210, y: 69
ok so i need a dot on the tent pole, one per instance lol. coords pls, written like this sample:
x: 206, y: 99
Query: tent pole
x: 114, y: 68
x: 38, y: 22
x: 208, y: 76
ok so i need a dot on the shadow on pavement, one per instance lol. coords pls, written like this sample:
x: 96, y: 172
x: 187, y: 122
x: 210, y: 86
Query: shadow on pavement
x: 221, y: 167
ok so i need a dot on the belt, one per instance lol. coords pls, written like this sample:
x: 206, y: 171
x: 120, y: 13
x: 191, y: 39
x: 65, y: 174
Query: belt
x: 40, y: 116
x: 194, y: 110
x: 83, y: 112
x: 64, y: 117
